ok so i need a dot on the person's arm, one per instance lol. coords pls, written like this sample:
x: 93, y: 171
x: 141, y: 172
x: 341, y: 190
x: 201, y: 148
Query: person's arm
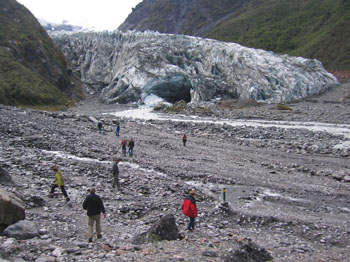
x: 102, y: 208
x: 85, y: 204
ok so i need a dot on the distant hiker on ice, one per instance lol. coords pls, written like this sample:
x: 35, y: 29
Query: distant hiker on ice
x: 117, y: 130
x: 115, y: 172
x: 99, y: 126
x: 94, y: 206
x: 184, y: 139
x: 189, y: 209
x: 59, y: 182
x: 124, y: 144
x: 131, y: 147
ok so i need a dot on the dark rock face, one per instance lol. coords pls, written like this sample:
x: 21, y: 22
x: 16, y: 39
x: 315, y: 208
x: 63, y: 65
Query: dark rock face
x: 248, y: 252
x: 11, y: 209
x: 5, y: 178
x: 37, y: 66
x: 22, y: 230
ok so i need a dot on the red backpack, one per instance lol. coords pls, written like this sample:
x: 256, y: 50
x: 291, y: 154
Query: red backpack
x: 188, y: 208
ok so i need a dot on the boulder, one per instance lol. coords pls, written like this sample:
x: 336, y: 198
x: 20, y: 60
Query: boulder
x: 248, y: 252
x: 163, y: 229
x: 22, y: 230
x: 5, y: 178
x: 11, y: 209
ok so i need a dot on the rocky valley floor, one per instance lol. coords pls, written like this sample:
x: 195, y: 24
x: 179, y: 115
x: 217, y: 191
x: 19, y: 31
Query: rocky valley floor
x: 288, y: 189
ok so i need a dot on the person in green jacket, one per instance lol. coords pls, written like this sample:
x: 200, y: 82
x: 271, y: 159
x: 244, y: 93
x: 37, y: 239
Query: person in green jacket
x: 59, y: 182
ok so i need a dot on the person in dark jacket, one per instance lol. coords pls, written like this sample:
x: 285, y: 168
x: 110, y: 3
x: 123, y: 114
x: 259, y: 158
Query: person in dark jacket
x: 99, y: 126
x: 115, y: 171
x: 131, y: 147
x: 189, y: 209
x: 94, y: 206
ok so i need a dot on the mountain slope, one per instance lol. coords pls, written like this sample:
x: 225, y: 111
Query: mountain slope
x: 310, y: 28
x: 33, y: 70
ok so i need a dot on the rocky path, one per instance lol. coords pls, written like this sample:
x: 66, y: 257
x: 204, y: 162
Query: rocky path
x: 288, y: 189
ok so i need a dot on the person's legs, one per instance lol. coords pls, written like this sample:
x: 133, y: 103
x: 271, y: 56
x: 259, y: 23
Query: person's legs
x: 98, y: 226
x: 64, y: 191
x: 115, y: 180
x: 191, y: 224
x: 53, y: 187
x: 91, y: 227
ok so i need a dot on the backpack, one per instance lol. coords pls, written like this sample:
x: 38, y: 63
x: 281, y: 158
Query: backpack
x: 188, y: 208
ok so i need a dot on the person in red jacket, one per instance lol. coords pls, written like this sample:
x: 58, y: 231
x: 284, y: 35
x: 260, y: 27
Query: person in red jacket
x: 184, y: 139
x: 189, y: 209
x: 124, y: 144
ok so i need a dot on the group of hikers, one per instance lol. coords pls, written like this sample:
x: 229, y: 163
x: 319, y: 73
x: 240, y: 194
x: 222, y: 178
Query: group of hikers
x: 94, y: 204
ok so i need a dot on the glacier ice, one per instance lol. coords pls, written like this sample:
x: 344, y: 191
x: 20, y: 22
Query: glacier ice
x: 128, y: 67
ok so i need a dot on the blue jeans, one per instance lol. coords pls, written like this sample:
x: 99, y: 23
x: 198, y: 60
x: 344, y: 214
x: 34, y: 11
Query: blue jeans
x: 131, y: 151
x: 190, y: 225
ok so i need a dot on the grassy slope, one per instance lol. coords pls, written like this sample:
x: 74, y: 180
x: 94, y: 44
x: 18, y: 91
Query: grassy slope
x: 310, y: 28
x: 32, y: 69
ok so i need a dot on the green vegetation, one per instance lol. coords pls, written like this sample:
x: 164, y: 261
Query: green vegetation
x: 33, y: 70
x: 21, y: 86
x: 310, y: 28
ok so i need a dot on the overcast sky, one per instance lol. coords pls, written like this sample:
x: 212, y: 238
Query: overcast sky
x: 100, y: 14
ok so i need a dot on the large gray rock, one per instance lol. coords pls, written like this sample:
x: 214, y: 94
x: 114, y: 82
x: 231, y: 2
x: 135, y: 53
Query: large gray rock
x: 128, y: 67
x: 164, y: 229
x: 5, y: 178
x: 22, y: 230
x: 11, y: 209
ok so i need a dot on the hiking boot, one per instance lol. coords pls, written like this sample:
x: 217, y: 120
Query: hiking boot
x: 90, y: 240
x: 99, y: 236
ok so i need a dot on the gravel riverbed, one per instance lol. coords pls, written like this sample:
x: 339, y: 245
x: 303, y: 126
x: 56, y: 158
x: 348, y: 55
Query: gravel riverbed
x: 288, y: 189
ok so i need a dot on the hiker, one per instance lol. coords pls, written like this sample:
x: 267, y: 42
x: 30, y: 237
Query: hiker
x: 184, y: 139
x: 124, y: 143
x: 131, y: 147
x: 115, y: 172
x: 94, y: 206
x: 59, y: 182
x: 99, y: 126
x: 189, y: 209
x: 117, y: 130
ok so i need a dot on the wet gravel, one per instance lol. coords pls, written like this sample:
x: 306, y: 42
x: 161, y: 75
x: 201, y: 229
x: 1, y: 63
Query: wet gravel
x: 288, y: 189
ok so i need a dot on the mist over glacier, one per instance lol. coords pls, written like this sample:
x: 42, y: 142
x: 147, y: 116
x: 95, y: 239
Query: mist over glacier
x: 150, y: 66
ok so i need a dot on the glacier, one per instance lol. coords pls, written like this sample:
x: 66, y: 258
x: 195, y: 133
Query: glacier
x: 150, y: 66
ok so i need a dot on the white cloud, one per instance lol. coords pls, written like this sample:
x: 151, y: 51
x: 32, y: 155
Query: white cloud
x: 101, y: 14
